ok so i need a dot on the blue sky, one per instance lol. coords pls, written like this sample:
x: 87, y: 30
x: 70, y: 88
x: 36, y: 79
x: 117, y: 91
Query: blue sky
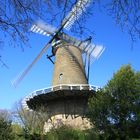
x: 117, y: 53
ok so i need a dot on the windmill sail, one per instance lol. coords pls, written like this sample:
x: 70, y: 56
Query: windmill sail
x: 16, y: 81
x: 43, y: 28
x: 98, y: 50
x: 46, y: 29
x: 75, y: 13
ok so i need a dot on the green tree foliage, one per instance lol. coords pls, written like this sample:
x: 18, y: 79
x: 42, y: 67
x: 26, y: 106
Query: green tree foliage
x: 18, y: 132
x: 69, y: 133
x: 32, y: 122
x: 114, y: 110
x: 5, y: 129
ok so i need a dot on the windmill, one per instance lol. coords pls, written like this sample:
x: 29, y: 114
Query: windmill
x: 66, y: 99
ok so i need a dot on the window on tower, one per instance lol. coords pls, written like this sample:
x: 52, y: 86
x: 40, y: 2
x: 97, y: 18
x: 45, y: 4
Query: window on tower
x: 60, y: 76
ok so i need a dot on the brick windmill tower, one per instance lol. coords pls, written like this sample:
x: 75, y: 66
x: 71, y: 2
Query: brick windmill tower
x: 66, y: 100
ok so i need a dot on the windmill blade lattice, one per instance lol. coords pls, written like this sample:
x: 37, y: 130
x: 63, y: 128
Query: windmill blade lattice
x: 75, y: 13
x: 94, y: 50
x: 43, y: 28
x: 46, y: 29
x: 98, y: 50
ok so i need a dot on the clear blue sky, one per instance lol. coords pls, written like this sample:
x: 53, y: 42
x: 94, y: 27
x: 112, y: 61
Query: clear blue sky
x: 118, y: 52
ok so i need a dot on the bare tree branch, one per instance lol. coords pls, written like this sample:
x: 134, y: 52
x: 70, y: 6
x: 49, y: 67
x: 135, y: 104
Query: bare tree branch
x: 127, y: 15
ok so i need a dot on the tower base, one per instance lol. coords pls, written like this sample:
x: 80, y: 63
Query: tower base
x: 76, y: 122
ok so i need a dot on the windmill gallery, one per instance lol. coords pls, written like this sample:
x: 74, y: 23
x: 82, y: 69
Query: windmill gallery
x: 66, y: 100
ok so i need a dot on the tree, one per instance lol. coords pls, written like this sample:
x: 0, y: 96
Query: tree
x: 18, y: 132
x: 66, y: 132
x: 114, y: 110
x: 5, y: 127
x: 16, y: 18
x: 32, y: 122
x: 5, y: 114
